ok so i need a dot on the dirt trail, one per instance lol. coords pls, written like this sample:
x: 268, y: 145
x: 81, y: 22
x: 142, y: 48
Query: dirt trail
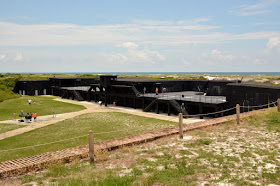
x: 43, y: 121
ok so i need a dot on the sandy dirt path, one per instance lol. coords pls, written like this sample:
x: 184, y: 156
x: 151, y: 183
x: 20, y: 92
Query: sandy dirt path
x: 91, y: 107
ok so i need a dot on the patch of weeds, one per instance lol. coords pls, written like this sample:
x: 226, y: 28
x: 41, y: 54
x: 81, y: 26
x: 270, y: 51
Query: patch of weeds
x: 167, y: 156
x: 225, y: 174
x: 261, y: 152
x: 205, y: 142
x: 247, y: 164
x: 152, y: 151
x: 116, y: 180
x: 53, y: 180
x: 60, y: 170
x: 273, y: 177
x: 149, y: 169
x: 137, y: 172
x: 102, y: 155
x: 141, y: 151
x: 119, y: 156
x: 185, y: 152
x: 156, y: 156
x: 210, y: 156
x: 197, y: 143
x: 202, y: 169
x: 173, y: 176
x: 213, y: 171
x: 232, y: 158
x: 201, y: 133
x: 27, y: 179
x: 241, y: 182
x: 273, y: 120
x: 241, y: 140
x: 229, y: 122
x: 128, y: 148
x: 246, y: 153
x: 144, y: 161
x: 255, y: 119
x: 220, y: 139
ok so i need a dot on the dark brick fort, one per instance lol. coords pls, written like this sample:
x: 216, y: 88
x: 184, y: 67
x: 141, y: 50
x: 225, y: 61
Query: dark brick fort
x: 197, y: 96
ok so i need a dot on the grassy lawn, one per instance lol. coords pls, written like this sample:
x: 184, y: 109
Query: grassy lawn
x: 7, y: 127
x: 78, y: 126
x: 246, y: 154
x: 42, y: 105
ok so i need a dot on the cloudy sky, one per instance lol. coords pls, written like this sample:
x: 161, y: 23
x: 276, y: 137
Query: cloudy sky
x: 139, y: 36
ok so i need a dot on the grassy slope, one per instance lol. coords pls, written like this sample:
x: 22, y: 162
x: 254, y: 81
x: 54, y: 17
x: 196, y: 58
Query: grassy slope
x: 78, y: 126
x: 42, y: 106
x: 6, y: 88
x: 7, y: 127
x: 224, y: 154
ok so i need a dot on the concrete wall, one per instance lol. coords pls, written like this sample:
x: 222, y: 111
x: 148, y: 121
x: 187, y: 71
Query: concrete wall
x: 32, y: 87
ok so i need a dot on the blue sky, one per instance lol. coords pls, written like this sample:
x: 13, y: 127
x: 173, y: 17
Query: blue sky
x: 139, y: 36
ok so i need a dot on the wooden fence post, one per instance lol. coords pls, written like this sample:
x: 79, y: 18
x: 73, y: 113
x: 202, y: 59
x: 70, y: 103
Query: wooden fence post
x: 180, y: 125
x: 91, y: 146
x: 238, y: 113
x: 278, y: 104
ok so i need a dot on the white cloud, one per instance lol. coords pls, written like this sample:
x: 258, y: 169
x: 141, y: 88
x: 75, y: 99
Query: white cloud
x: 12, y: 34
x: 258, y: 62
x: 218, y: 56
x: 118, y: 58
x: 201, y: 19
x: 186, y: 63
x: 18, y: 57
x: 252, y: 13
x: 2, y: 56
x: 263, y: 7
x: 134, y: 54
x: 273, y: 42
x: 129, y: 45
x: 147, y: 55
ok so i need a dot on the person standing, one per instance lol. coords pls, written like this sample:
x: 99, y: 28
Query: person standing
x: 54, y: 114
x: 156, y: 91
x: 15, y: 116
x: 35, y: 116
x: 182, y: 107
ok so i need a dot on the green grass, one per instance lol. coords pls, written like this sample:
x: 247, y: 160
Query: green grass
x: 169, y: 161
x: 270, y: 119
x: 124, y: 124
x: 6, y: 88
x: 42, y: 106
x: 7, y: 127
